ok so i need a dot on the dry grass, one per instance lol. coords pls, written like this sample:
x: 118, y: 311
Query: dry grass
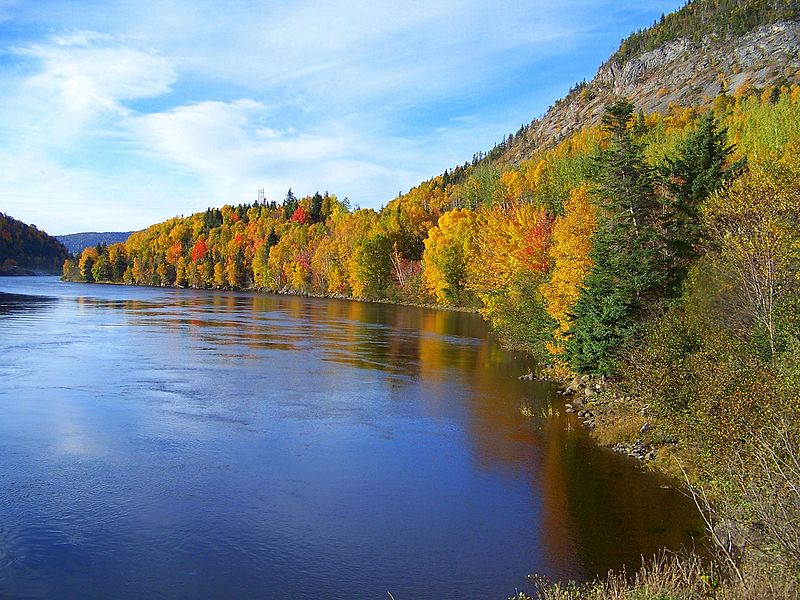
x: 616, y: 421
x: 673, y: 578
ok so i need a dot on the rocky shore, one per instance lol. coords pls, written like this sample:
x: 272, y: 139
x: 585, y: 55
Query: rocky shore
x: 615, y: 421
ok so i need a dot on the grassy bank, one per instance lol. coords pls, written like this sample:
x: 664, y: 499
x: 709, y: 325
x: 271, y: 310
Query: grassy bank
x: 749, y: 497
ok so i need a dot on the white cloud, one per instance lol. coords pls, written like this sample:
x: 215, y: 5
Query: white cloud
x: 131, y: 112
x: 83, y: 76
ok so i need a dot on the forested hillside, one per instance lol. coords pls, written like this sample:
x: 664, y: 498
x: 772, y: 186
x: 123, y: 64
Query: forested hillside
x: 722, y: 18
x: 76, y: 242
x: 24, y: 248
x: 530, y: 245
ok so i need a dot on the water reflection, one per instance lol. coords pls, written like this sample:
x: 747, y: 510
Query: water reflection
x: 246, y: 445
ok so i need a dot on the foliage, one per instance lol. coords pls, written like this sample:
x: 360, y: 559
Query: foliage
x: 628, y: 272
x: 755, y: 223
x: 447, y: 253
x: 560, y: 243
x: 569, y: 253
x: 25, y: 246
x: 370, y: 266
x: 698, y: 169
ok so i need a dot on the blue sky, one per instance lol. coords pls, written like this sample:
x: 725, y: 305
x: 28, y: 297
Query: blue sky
x: 116, y: 115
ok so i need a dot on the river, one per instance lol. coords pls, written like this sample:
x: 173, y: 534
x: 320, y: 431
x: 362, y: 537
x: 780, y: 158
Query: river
x: 199, y: 444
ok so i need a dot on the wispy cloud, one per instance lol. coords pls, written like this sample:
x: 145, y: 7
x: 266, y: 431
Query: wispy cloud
x: 83, y: 76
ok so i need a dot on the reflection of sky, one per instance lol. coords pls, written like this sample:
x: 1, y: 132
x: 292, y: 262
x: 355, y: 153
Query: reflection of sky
x: 242, y: 440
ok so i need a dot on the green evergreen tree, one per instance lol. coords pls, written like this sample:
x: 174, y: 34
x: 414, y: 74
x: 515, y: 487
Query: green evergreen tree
x: 628, y: 252
x: 699, y: 168
x: 289, y: 205
x: 316, y: 208
x: 272, y: 238
x: 119, y: 267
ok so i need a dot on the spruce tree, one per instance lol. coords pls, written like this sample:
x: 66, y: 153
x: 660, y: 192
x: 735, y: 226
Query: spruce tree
x: 699, y: 168
x: 289, y: 205
x: 272, y: 238
x: 316, y: 208
x: 627, y: 252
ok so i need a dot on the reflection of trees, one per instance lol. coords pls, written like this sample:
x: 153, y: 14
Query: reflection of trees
x: 610, y: 511
x: 18, y: 303
x: 590, y: 504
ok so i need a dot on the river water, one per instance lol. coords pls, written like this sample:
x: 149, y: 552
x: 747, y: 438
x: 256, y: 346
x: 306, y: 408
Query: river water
x: 193, y: 444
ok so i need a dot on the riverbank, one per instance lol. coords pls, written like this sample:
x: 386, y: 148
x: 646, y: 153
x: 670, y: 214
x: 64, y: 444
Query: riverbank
x: 336, y: 296
x: 620, y: 422
x: 751, y: 505
x: 302, y: 293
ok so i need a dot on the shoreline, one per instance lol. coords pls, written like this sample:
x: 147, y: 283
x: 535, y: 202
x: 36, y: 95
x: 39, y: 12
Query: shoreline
x: 614, y: 421
x: 290, y: 292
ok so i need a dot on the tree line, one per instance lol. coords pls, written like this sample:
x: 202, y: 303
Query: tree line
x: 648, y: 243
x: 26, y: 246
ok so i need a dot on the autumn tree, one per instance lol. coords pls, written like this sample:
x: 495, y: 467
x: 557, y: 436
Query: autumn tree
x: 101, y: 270
x: 755, y: 225
x: 300, y: 216
x: 507, y: 241
x: 447, y: 252
x: 569, y: 254
x: 86, y: 263
x: 370, y: 265
x: 506, y: 268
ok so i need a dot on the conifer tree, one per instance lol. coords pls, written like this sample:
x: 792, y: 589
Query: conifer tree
x: 627, y: 253
x: 272, y: 238
x: 699, y: 168
x: 316, y: 208
x: 289, y: 205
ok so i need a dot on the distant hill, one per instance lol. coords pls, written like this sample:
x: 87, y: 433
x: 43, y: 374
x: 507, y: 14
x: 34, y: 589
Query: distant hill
x: 25, y: 249
x: 76, y: 242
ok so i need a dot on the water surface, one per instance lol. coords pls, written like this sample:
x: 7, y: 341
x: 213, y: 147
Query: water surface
x: 187, y: 444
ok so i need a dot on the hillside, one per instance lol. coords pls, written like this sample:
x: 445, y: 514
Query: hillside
x: 76, y: 242
x: 683, y: 71
x: 24, y: 248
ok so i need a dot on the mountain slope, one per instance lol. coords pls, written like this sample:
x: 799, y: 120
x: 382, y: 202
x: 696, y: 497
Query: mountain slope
x: 686, y: 59
x: 683, y: 71
x: 24, y: 247
x: 76, y: 242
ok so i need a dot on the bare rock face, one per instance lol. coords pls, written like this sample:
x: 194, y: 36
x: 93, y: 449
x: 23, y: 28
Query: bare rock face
x: 679, y: 72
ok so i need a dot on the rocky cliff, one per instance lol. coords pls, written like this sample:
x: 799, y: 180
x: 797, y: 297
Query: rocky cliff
x: 679, y: 72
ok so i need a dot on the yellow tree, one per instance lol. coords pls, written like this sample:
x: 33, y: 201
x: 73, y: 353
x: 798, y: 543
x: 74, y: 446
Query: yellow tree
x: 569, y: 253
x: 508, y: 260
x: 515, y: 186
x: 755, y: 222
x: 181, y: 272
x: 447, y: 251
x: 507, y: 241
x: 86, y: 262
x: 219, y: 275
